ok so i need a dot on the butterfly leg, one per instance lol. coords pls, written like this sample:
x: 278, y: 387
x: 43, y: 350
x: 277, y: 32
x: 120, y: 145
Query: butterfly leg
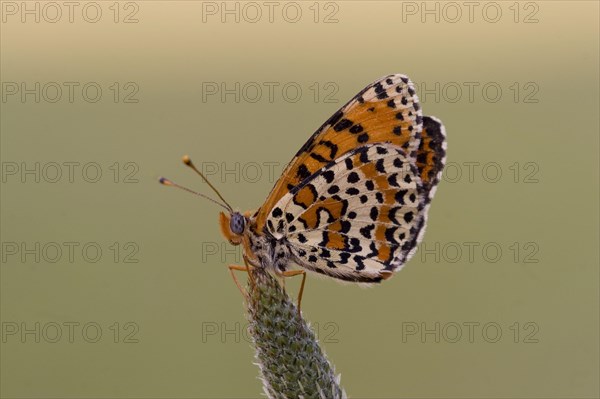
x: 235, y: 280
x: 248, y: 266
x: 291, y: 273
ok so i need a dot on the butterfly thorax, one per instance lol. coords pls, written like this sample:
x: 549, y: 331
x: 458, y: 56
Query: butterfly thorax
x: 265, y: 250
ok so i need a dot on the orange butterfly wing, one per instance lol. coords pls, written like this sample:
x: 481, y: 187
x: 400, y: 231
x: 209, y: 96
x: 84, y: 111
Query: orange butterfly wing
x: 386, y: 111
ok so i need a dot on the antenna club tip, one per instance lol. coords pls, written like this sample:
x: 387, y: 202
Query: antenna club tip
x: 164, y: 181
x: 186, y: 160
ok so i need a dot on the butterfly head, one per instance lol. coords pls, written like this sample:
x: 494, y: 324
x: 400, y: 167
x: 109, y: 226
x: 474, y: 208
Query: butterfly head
x: 233, y: 226
x: 237, y: 223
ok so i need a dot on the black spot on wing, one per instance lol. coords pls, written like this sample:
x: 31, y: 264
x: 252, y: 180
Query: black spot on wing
x: 389, y: 234
x: 342, y: 125
x: 346, y: 225
x: 399, y: 196
x: 318, y: 157
x: 366, y: 231
x: 333, y: 189
x: 353, y: 178
x: 348, y: 163
x: 360, y: 264
x: 328, y: 175
x: 303, y: 172
x: 356, y: 129
x: 364, y: 156
x: 374, y: 213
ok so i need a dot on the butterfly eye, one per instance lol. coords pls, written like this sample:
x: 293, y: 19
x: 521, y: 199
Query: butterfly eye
x: 237, y: 223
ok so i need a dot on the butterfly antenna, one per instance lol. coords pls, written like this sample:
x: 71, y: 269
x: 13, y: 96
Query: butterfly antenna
x: 188, y: 162
x: 166, y: 182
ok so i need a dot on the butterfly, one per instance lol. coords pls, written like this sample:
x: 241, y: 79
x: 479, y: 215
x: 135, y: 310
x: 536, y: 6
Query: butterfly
x: 352, y: 204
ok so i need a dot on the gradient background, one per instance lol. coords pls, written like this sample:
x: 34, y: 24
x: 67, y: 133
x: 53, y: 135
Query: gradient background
x: 177, y: 290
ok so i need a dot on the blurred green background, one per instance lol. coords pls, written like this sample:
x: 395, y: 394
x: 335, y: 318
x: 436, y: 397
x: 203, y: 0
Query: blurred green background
x: 501, y: 300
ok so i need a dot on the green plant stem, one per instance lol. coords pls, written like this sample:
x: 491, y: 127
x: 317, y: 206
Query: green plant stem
x: 291, y: 362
